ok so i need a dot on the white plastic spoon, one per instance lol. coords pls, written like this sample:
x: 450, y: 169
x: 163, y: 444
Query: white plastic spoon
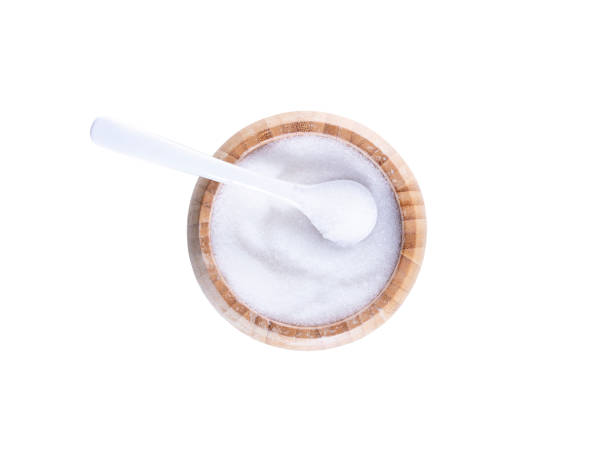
x: 343, y: 211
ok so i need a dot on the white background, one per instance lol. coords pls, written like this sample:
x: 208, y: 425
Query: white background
x: 108, y: 349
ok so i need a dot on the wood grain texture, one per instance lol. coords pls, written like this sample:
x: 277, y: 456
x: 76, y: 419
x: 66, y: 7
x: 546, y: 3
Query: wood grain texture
x: 371, y: 316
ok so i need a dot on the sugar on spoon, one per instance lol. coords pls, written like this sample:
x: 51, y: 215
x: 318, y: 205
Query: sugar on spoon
x: 343, y: 210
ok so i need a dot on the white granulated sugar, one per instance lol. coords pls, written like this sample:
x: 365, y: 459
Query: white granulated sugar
x: 273, y: 258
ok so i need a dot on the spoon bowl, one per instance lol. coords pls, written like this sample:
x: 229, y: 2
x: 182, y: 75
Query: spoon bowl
x: 343, y: 211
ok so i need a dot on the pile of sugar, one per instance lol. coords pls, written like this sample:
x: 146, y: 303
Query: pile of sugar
x: 273, y: 258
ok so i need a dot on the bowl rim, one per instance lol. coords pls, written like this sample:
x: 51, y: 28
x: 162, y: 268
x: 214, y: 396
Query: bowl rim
x: 362, y: 322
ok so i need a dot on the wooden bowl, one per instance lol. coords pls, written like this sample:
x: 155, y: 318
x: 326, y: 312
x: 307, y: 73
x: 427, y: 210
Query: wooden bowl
x: 369, y: 317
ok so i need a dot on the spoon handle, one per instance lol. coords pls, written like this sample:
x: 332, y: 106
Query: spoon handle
x: 121, y: 138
